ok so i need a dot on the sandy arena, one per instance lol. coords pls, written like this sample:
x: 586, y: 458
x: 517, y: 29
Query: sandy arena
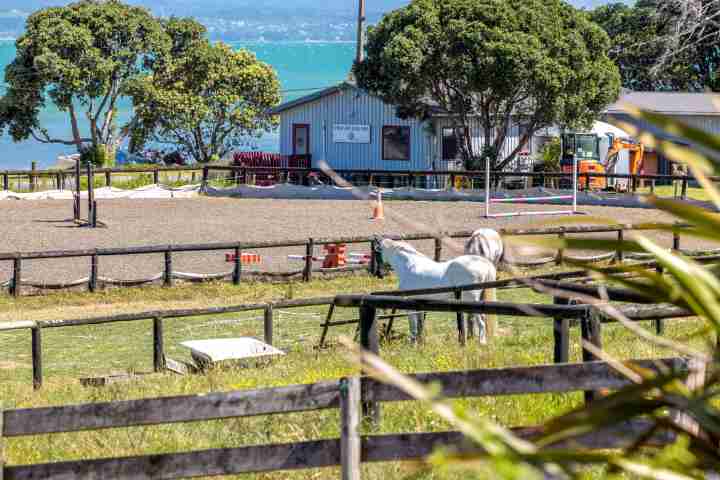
x: 45, y: 225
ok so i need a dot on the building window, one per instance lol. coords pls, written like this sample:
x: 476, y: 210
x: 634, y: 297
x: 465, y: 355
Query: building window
x: 396, y: 143
x: 450, y: 146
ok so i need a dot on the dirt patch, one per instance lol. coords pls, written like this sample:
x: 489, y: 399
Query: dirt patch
x: 45, y: 225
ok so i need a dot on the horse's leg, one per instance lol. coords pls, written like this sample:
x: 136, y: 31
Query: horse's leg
x: 467, y: 318
x: 490, y: 295
x: 479, y: 320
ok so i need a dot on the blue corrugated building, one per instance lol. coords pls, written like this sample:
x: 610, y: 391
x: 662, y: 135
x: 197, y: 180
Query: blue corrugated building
x: 352, y: 130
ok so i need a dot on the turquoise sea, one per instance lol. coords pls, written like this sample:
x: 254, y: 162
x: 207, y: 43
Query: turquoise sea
x: 300, y: 66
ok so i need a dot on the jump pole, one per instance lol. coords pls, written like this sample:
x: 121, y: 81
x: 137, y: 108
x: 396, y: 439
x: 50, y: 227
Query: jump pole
x: 489, y: 201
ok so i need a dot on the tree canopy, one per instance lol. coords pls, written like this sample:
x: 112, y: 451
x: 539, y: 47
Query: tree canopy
x: 86, y: 56
x: 534, y: 62
x: 204, y: 98
x: 79, y: 57
x: 658, y: 45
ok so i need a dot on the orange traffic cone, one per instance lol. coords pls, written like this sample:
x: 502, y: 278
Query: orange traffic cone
x: 378, y: 211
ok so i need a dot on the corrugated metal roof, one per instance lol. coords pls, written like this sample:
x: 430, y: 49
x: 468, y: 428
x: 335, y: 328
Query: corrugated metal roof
x: 312, y: 97
x: 670, y: 103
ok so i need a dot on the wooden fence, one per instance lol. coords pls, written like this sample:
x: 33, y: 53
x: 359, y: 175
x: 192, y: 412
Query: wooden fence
x: 417, y: 178
x: 61, y: 179
x: 560, y: 313
x: 16, y: 282
x: 348, y: 451
x: 281, y: 173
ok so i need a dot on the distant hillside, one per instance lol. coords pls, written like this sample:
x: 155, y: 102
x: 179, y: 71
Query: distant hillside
x: 248, y: 20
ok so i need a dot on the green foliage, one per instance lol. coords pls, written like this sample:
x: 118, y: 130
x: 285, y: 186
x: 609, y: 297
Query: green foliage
x: 79, y: 57
x: 534, y: 62
x: 550, y: 155
x: 204, y: 98
x: 641, y: 43
x: 97, y: 155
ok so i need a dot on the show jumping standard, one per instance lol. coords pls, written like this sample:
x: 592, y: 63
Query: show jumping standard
x: 489, y: 201
x: 416, y: 271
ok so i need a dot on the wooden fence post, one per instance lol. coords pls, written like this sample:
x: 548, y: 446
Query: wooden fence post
x: 590, y: 326
x: 6, y: 181
x: 156, y: 176
x: 168, y: 273
x: 309, y: 250
x: 158, y: 345
x: 459, y: 318
x: 205, y: 176
x: 676, y: 241
x: 108, y: 178
x: 17, y: 276
x: 33, y: 177
x: 620, y: 255
x: 561, y: 335
x: 37, y: 357
x: 660, y: 323
x: 268, y: 324
x: 370, y: 341
x: 350, y: 444
x: 92, y: 283
x: 561, y: 251
x: 237, y: 270
x: 438, y: 249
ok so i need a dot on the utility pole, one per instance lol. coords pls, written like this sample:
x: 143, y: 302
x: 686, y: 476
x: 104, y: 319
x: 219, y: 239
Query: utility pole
x: 361, y: 32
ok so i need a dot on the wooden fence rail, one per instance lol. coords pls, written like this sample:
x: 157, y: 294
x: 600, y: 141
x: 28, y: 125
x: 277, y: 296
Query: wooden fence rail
x: 242, y: 174
x: 348, y: 451
x: 167, y: 276
x: 560, y: 312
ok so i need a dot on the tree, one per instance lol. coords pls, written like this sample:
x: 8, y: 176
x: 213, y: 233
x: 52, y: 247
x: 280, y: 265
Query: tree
x: 504, y: 62
x: 665, y: 45
x: 205, y: 99
x: 641, y: 47
x: 80, y: 57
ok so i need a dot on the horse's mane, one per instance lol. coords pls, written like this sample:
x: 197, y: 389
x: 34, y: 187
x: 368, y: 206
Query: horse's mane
x: 400, y: 246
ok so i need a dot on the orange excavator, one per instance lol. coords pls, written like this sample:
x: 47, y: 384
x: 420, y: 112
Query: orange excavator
x: 585, y: 147
x: 637, y: 155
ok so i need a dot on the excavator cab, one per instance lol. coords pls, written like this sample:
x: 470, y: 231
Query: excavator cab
x: 586, y: 148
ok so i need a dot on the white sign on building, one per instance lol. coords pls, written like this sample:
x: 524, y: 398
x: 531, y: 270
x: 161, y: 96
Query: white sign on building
x: 351, y: 133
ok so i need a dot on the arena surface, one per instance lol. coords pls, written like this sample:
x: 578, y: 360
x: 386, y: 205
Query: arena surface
x: 46, y: 225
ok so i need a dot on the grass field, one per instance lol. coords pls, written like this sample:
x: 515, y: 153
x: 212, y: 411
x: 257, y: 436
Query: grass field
x: 71, y: 353
x: 668, y: 191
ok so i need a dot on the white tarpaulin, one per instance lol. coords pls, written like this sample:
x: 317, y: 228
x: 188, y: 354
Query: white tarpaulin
x: 108, y: 193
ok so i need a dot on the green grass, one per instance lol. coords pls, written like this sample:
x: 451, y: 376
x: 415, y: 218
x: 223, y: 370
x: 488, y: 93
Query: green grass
x: 669, y: 191
x: 70, y: 353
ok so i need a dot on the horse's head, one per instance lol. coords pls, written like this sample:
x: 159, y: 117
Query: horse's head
x: 487, y: 243
x: 391, y: 248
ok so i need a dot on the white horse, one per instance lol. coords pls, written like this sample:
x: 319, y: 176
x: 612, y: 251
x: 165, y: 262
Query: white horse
x: 416, y: 271
x: 488, y: 243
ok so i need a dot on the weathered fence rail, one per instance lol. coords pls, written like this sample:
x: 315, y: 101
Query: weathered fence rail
x: 61, y: 179
x: 241, y: 174
x: 559, y: 313
x: 347, y: 394
x: 16, y: 282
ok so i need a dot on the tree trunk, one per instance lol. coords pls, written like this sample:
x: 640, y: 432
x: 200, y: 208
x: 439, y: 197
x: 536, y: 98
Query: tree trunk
x: 108, y: 152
